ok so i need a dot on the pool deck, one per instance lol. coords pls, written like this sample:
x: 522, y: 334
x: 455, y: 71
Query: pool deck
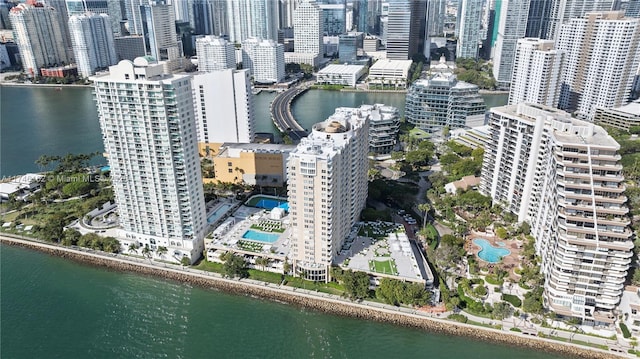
x: 509, y: 262
x: 243, y: 219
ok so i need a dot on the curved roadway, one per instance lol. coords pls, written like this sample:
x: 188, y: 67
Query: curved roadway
x: 283, y: 117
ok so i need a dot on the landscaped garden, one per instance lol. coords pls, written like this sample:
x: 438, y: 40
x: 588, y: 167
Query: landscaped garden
x: 384, y: 267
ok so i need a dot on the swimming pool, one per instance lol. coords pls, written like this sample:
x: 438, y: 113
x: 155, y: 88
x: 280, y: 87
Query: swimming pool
x: 260, y: 236
x: 268, y: 203
x: 490, y: 253
x: 219, y: 212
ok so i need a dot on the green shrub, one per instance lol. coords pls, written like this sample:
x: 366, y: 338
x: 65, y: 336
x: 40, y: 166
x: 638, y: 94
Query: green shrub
x: 514, y: 329
x: 625, y: 331
x: 512, y: 299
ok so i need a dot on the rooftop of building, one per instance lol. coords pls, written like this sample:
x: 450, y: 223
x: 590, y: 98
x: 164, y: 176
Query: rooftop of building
x: 386, y: 64
x: 632, y: 109
x: 228, y: 147
x: 566, y: 129
x: 341, y: 69
x: 447, y: 79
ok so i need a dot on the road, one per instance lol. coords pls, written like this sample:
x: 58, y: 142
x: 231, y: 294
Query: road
x: 283, y: 117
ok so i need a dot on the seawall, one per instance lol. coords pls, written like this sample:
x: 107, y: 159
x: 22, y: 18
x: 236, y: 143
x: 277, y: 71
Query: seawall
x: 317, y: 301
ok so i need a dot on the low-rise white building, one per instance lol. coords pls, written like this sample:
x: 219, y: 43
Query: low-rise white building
x: 341, y: 74
x: 392, y: 73
x: 302, y: 58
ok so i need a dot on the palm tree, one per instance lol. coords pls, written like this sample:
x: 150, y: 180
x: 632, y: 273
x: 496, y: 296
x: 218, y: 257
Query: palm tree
x: 133, y: 248
x: 425, y: 207
x: 262, y: 262
x: 146, y: 251
x: 161, y: 251
x: 286, y: 266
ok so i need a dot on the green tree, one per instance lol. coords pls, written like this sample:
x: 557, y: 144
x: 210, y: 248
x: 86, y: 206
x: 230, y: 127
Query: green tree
x: 161, y: 251
x: 263, y: 262
x: 356, y: 284
x: 146, y: 251
x: 389, y: 291
x: 416, y: 294
x: 502, y: 233
x: 71, y: 237
x: 53, y: 227
x: 133, y: 248
x: 234, y: 266
x: 185, y: 261
x: 110, y: 245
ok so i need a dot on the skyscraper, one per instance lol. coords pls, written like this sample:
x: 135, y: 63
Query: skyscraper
x: 308, y: 28
x: 333, y: 17
x: 406, y: 29
x: 436, y: 13
x: 215, y: 53
x: 511, y: 27
x: 264, y: 58
x: 40, y: 37
x: 147, y: 120
x: 158, y: 25
x: 562, y: 11
x: 208, y: 17
x: 538, y: 19
x: 327, y: 189
x: 92, y: 41
x: 470, y: 14
x: 252, y: 18
x: 110, y: 8
x: 223, y: 104
x: 537, y: 73
x: 603, y: 53
x: 562, y: 175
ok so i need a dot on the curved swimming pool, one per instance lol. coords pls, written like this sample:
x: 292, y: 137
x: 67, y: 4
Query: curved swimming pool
x: 489, y: 253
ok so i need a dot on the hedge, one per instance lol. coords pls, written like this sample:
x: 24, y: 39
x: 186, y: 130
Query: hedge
x: 625, y: 331
x: 514, y: 300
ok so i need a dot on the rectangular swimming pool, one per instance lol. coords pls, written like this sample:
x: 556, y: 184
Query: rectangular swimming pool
x: 260, y: 236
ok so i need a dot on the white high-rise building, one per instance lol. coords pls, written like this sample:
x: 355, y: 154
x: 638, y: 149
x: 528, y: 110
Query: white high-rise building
x: 470, y: 15
x: 561, y: 11
x: 265, y: 60
x: 537, y: 73
x: 215, y: 53
x: 223, y: 103
x: 603, y: 53
x: 92, y: 42
x: 398, y: 30
x: 563, y: 176
x: 308, y: 28
x: 327, y: 188
x: 511, y: 27
x: 149, y: 129
x: 252, y: 18
x: 40, y: 37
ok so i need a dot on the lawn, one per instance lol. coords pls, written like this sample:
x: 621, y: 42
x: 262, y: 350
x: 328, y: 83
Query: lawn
x: 385, y: 267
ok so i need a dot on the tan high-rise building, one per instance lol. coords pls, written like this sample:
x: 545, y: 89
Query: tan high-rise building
x: 40, y: 36
x: 327, y: 188
x: 602, y: 56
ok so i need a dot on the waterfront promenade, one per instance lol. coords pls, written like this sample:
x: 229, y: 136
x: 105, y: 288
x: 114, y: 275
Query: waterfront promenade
x: 283, y: 117
x: 319, y: 301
